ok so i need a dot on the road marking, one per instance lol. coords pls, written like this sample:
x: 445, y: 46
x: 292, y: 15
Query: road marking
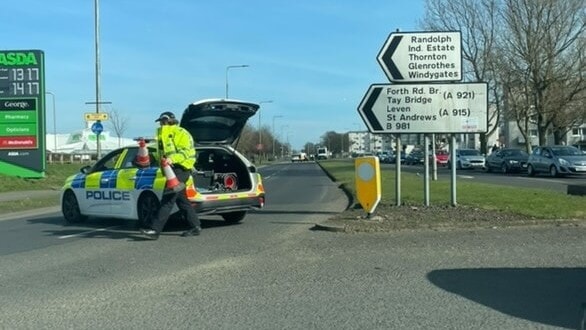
x: 87, y: 232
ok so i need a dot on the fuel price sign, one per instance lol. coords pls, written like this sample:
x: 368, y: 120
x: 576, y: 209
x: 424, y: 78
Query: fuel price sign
x: 22, y: 113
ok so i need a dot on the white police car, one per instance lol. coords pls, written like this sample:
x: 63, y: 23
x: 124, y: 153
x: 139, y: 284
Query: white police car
x: 223, y: 182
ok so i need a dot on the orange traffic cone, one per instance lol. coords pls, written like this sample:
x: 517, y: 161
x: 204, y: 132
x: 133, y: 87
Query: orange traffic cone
x: 142, y: 157
x: 173, y: 184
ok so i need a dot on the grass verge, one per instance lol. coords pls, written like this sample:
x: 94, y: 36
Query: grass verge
x: 536, y: 203
x: 53, y: 180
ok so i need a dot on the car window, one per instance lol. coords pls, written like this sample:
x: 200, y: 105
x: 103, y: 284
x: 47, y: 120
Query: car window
x: 130, y: 157
x: 470, y: 152
x: 108, y: 162
x: 565, y: 151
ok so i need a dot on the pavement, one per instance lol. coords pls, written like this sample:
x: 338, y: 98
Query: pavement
x: 20, y: 195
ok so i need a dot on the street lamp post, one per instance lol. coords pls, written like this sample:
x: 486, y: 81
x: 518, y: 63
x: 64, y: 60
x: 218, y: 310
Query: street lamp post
x: 232, y: 67
x: 274, y: 117
x: 54, y: 123
x: 260, y: 129
x: 282, y: 148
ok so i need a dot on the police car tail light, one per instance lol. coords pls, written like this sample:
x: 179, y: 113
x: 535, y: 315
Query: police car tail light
x: 260, y: 188
x: 261, y: 201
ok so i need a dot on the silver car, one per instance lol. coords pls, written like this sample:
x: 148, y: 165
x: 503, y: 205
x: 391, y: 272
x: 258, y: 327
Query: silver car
x: 468, y: 159
x: 556, y: 160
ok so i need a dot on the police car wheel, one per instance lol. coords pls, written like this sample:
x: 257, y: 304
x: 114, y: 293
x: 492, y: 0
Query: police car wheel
x: 147, y: 208
x: 70, y: 209
x: 234, y: 217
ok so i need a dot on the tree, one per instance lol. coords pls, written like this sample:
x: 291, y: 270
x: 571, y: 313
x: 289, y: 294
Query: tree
x: 544, y: 50
x: 478, y: 23
x: 118, y: 123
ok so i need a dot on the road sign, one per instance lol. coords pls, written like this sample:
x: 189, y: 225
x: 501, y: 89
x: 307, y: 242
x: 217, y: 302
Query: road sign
x: 95, y: 116
x: 97, y: 128
x: 22, y: 113
x: 368, y: 182
x: 422, y: 57
x: 426, y: 108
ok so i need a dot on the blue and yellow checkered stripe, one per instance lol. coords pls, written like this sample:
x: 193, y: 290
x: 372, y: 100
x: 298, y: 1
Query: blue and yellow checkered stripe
x: 142, y: 179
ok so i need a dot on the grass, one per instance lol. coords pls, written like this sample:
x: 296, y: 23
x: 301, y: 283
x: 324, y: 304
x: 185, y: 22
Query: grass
x: 53, y: 180
x: 538, y: 203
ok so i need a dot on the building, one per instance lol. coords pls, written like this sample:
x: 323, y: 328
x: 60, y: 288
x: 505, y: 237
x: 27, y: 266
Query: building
x: 84, y: 142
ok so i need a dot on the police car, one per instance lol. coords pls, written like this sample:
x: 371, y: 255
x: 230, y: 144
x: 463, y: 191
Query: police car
x: 223, y: 181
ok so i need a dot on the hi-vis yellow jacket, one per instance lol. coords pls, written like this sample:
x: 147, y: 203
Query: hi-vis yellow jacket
x: 176, y: 143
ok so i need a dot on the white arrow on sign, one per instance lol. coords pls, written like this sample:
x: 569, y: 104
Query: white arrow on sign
x: 422, y: 57
x: 426, y: 108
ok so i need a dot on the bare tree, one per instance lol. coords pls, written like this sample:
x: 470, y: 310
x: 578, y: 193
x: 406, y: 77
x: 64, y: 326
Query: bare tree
x: 544, y: 50
x: 478, y: 22
x: 118, y: 123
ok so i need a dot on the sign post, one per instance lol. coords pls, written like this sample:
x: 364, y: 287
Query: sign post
x: 422, y: 56
x: 22, y: 113
x: 425, y: 108
x: 437, y: 106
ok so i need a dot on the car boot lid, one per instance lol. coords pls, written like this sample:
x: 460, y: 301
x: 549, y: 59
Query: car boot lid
x: 217, y: 121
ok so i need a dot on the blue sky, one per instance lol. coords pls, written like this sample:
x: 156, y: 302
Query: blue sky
x: 314, y: 59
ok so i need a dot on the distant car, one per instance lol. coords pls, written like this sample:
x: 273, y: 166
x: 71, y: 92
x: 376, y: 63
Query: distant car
x: 299, y: 157
x: 507, y: 160
x: 393, y: 158
x: 442, y: 157
x: 415, y: 157
x: 224, y: 182
x: 468, y: 159
x: 322, y: 153
x: 556, y: 160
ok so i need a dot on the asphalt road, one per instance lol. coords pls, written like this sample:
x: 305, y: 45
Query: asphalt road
x: 274, y: 272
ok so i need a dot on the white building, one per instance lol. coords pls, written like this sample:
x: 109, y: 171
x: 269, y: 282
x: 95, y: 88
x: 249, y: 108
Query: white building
x: 84, y: 142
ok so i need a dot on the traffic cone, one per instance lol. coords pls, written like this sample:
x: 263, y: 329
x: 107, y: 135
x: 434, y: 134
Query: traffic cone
x: 173, y: 184
x: 142, y: 157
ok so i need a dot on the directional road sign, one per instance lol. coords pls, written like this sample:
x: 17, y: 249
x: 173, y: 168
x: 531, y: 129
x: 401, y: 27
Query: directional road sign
x: 422, y: 57
x: 426, y: 108
x: 94, y: 116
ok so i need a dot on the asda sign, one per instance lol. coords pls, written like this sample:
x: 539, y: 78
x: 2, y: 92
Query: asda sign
x: 18, y: 58
x: 22, y: 113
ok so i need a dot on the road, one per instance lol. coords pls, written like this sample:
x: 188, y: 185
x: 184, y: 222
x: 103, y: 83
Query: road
x: 273, y: 271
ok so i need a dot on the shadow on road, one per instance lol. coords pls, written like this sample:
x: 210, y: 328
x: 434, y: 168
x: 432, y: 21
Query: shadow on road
x: 551, y: 296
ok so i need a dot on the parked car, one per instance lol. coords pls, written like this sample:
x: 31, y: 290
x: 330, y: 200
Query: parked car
x: 224, y: 183
x: 442, y: 157
x: 385, y: 156
x: 507, y: 160
x: 556, y: 160
x: 415, y: 157
x: 468, y: 159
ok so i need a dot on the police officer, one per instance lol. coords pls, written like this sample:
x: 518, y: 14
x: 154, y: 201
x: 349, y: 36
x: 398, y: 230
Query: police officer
x: 176, y: 145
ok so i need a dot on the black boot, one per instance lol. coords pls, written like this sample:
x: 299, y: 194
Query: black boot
x: 150, y: 234
x: 195, y: 231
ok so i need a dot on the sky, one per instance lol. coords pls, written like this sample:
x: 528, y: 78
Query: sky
x: 312, y: 59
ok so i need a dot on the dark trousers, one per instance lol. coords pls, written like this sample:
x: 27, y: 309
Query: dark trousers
x: 170, y: 199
